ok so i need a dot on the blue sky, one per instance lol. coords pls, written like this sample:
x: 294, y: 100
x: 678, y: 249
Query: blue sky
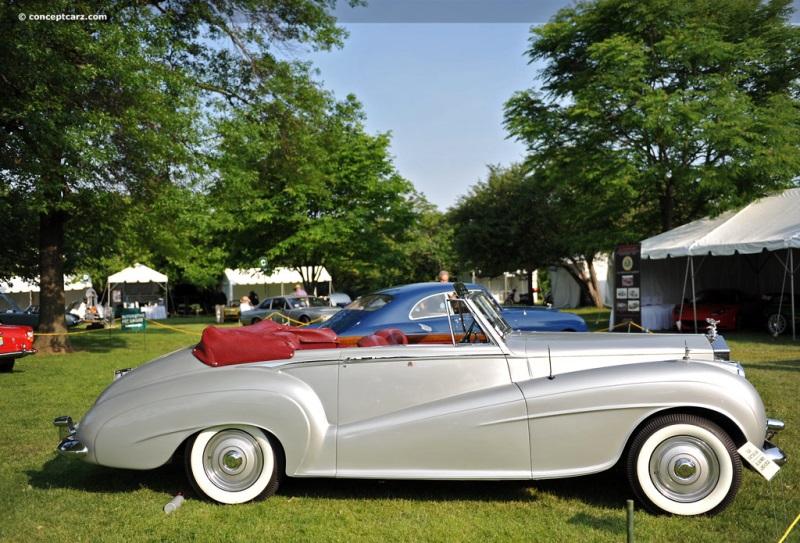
x: 439, y: 89
x: 436, y: 74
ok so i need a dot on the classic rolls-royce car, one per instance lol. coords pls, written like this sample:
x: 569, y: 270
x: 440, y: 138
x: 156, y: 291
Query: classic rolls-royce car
x: 15, y: 342
x: 251, y: 405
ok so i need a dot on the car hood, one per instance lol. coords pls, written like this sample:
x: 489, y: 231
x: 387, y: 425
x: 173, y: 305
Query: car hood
x: 573, y: 352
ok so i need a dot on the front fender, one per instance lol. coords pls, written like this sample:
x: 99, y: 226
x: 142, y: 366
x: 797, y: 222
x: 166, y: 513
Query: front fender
x: 581, y: 422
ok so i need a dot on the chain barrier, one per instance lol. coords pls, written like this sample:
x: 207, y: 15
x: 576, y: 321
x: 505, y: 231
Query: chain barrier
x: 284, y: 318
x: 629, y: 324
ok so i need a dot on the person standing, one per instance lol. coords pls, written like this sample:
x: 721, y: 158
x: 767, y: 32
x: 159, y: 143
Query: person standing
x: 444, y: 276
x: 299, y: 291
x: 220, y: 301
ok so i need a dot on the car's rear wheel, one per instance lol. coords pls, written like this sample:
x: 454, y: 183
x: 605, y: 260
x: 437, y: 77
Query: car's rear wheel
x: 305, y: 319
x: 684, y: 465
x: 234, y: 464
x: 776, y: 323
x: 255, y: 320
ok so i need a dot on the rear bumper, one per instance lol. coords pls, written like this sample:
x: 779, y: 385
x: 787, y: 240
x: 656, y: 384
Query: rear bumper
x: 68, y: 444
x: 17, y: 354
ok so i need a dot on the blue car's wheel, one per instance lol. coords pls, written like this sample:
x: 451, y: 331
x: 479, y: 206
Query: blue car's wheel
x: 234, y: 464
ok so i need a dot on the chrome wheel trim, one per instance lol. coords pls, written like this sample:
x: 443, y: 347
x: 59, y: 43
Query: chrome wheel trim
x: 718, y: 487
x: 232, y: 464
x: 232, y: 460
x: 776, y: 323
x: 684, y: 469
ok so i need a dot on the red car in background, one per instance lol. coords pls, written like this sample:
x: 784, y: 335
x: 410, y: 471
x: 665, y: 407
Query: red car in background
x: 16, y: 341
x: 732, y: 308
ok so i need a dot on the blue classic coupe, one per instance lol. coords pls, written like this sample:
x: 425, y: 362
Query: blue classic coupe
x: 418, y: 310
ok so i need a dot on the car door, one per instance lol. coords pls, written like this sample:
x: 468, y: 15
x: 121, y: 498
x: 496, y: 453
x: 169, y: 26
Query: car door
x: 444, y: 411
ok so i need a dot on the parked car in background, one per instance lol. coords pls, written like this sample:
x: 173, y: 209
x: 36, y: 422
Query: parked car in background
x: 249, y: 406
x: 418, y: 310
x: 339, y: 299
x: 15, y: 342
x: 10, y: 313
x: 732, y: 308
x: 231, y: 312
x: 292, y: 310
x: 777, y: 312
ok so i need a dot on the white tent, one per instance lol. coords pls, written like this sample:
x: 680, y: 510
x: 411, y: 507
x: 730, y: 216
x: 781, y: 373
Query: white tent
x: 24, y: 292
x: 139, y: 274
x: 752, y: 249
x: 281, y: 281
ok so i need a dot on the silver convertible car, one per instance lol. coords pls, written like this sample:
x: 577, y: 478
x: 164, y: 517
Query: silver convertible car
x: 248, y: 406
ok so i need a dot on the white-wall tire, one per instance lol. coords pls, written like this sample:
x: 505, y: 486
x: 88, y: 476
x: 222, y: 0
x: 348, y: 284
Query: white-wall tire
x: 684, y: 465
x: 234, y: 464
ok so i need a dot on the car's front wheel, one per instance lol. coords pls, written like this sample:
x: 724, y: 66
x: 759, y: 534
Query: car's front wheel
x: 7, y: 365
x: 234, y: 464
x: 776, y: 323
x: 684, y: 465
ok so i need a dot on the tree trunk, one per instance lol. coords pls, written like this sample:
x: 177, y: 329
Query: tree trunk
x: 52, y: 335
x: 589, y: 284
x: 593, y: 284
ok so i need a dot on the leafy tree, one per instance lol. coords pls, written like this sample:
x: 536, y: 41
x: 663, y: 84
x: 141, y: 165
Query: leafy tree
x: 662, y: 111
x: 111, y: 111
x: 505, y: 223
x: 302, y: 183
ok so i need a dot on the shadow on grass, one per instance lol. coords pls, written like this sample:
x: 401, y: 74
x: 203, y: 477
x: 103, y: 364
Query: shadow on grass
x: 604, y: 491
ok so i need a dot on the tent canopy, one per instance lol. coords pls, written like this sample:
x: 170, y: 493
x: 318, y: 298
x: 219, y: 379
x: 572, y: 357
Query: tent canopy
x: 239, y: 282
x: 138, y: 273
x: 254, y: 276
x: 770, y: 224
x: 751, y: 249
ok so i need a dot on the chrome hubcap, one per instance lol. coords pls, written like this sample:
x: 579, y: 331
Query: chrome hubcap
x: 684, y: 468
x: 233, y: 460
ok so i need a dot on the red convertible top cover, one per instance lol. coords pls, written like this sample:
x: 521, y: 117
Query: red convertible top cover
x: 266, y: 340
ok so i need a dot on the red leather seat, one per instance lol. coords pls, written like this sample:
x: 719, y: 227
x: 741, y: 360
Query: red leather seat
x: 372, y: 341
x: 393, y: 336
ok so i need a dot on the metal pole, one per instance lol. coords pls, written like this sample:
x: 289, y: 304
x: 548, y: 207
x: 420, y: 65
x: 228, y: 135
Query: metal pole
x: 694, y: 296
x: 791, y: 285
x: 630, y: 521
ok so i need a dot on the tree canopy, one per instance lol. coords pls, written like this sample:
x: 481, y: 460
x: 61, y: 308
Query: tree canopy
x: 105, y: 122
x: 663, y: 110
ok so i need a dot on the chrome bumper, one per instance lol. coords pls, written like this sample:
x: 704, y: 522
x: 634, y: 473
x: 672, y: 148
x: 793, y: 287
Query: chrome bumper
x: 69, y: 445
x: 774, y: 453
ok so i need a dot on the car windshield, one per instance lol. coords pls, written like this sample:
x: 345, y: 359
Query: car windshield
x: 488, y: 308
x: 7, y: 305
x: 717, y: 297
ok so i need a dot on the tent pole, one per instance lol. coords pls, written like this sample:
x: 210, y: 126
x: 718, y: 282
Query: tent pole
x: 791, y: 288
x: 694, y: 297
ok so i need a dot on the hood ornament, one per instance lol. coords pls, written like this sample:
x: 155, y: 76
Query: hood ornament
x: 711, y: 331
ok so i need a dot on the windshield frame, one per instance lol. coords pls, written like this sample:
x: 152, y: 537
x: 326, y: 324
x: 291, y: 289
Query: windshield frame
x: 483, y: 309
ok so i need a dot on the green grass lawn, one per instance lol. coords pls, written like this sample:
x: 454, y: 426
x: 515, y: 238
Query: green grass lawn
x: 44, y: 497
